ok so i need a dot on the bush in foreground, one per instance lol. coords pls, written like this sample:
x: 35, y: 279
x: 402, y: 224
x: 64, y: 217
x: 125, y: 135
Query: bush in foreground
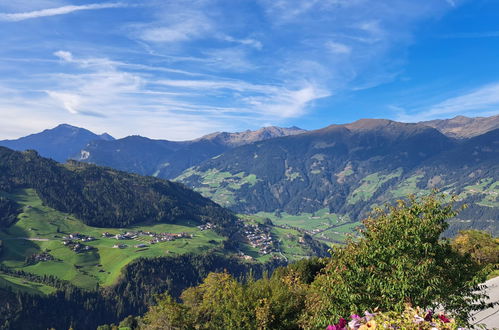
x: 397, y: 261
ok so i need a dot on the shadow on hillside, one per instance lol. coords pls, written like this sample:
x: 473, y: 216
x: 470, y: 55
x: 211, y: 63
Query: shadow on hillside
x: 16, y: 249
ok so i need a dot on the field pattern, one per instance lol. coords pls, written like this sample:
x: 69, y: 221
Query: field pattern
x: 327, y: 227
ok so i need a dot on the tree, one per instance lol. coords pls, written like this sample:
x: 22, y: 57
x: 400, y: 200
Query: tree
x: 221, y: 302
x: 480, y: 245
x: 398, y: 259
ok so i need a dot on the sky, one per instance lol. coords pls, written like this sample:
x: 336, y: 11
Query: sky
x: 179, y: 69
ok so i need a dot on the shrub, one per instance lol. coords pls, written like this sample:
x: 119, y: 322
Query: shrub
x: 399, y: 259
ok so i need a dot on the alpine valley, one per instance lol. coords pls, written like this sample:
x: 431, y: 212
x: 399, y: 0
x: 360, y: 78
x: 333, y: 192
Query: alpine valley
x: 92, y: 239
x: 90, y: 245
x: 322, y: 181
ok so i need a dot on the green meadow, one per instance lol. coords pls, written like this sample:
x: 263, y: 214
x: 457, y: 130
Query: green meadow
x: 18, y: 284
x: 369, y: 185
x: 220, y: 186
x: 488, y: 188
x: 322, y: 225
x: 41, y: 228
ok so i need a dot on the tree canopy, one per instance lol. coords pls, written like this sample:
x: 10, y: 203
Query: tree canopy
x: 398, y: 260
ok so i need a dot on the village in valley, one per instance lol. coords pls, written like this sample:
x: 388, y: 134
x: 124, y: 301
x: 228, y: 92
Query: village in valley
x: 76, y: 241
x: 259, y: 237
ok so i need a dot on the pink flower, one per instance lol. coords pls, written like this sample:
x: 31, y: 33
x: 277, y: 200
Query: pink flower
x: 338, y: 326
x: 342, y: 323
x: 354, y: 324
x: 443, y: 318
x: 428, y: 316
x: 369, y: 316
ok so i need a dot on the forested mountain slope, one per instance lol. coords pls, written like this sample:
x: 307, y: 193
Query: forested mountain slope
x: 103, y: 196
x: 349, y: 168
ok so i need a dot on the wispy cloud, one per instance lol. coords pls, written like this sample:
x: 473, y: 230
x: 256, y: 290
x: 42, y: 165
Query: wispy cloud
x: 482, y: 101
x: 104, y: 89
x: 91, y: 92
x: 187, y: 66
x: 472, y: 35
x: 247, y: 41
x: 338, y: 48
x: 16, y: 17
x: 176, y: 24
x: 268, y: 101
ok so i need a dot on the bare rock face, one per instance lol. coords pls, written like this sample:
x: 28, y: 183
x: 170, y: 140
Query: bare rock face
x: 246, y: 137
x: 463, y: 127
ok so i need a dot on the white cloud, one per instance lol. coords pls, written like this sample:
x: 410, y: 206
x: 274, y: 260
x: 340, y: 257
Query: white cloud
x: 70, y: 102
x: 482, y: 101
x: 338, y: 48
x: 187, y: 25
x: 248, y: 41
x: 269, y: 101
x: 229, y: 59
x: 64, y: 55
x: 193, y: 62
x: 16, y: 17
x: 91, y: 93
x: 288, y: 103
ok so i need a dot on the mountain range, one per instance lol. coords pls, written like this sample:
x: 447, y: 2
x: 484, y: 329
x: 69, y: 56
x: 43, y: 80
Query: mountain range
x: 167, y: 159
x: 349, y: 168
x: 342, y: 169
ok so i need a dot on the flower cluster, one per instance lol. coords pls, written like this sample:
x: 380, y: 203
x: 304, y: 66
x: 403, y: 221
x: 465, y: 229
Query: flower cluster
x: 357, y: 322
x: 411, y: 318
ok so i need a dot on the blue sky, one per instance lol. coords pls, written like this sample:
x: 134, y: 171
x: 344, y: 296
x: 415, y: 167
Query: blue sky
x: 180, y: 69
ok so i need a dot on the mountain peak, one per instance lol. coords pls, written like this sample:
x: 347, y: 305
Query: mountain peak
x: 59, y: 143
x: 66, y: 126
x: 367, y: 124
x: 248, y: 136
x: 464, y: 127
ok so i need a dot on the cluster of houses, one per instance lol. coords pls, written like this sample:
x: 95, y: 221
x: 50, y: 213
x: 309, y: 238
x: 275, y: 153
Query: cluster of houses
x: 73, y: 242
x: 76, y: 247
x: 259, y: 238
x: 166, y: 237
x: 78, y: 237
x: 207, y: 226
x: 122, y: 236
x: 156, y: 237
x: 39, y: 257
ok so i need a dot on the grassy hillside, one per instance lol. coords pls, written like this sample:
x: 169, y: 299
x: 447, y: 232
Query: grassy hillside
x: 18, y: 284
x: 41, y: 228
